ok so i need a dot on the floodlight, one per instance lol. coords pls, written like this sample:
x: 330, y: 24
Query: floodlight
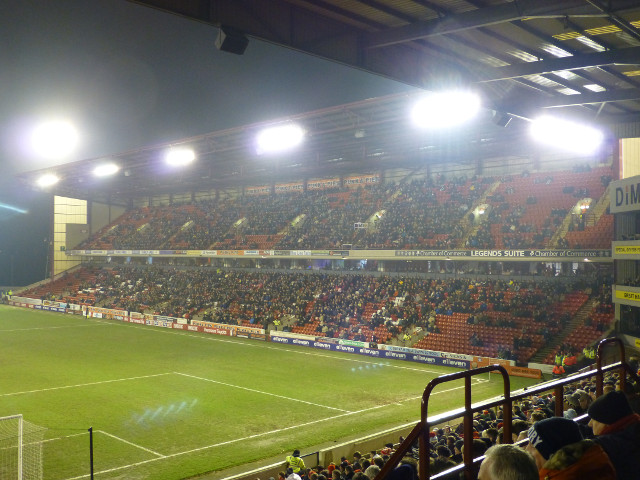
x: 445, y: 109
x: 179, y: 157
x: 47, y: 180
x: 106, y: 169
x: 55, y: 139
x: 279, y: 138
x: 567, y: 135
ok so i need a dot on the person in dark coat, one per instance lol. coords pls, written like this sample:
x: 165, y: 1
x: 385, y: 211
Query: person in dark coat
x: 617, y: 430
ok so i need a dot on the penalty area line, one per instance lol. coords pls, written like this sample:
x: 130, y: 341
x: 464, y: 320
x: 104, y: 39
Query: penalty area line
x: 102, y: 382
x: 253, y: 390
x: 131, y: 443
x: 257, y: 435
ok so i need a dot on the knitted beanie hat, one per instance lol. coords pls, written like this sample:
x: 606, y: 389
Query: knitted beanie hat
x: 610, y: 408
x: 551, y: 434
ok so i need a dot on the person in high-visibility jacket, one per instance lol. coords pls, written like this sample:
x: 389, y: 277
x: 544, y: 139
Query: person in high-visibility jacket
x: 558, y: 371
x: 558, y: 358
x: 294, y: 462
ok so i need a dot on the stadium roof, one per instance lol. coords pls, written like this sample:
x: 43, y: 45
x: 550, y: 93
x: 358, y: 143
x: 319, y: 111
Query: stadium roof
x: 578, y: 57
x: 524, y: 54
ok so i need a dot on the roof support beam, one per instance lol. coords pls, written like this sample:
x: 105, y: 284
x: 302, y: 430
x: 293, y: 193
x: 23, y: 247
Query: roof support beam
x: 483, y: 17
x: 625, y: 56
x: 573, y: 100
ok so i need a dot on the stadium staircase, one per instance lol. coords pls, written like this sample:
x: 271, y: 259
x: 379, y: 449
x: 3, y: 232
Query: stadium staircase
x: 547, y: 354
x: 472, y: 229
x: 598, y: 210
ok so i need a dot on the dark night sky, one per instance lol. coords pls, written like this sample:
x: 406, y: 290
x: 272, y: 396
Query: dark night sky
x: 129, y: 76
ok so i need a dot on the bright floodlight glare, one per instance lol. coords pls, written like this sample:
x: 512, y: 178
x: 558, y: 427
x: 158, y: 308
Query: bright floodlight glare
x: 106, y: 169
x: 445, y: 109
x: 280, y: 138
x: 179, y: 157
x: 54, y: 139
x: 47, y: 180
x: 566, y: 135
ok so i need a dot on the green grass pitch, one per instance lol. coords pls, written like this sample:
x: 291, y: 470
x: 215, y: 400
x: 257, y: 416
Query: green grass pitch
x: 168, y: 404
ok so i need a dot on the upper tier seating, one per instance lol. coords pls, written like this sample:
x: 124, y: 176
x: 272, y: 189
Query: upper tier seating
x: 523, y: 212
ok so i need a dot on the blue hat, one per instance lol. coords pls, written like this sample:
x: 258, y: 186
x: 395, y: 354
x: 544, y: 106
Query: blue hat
x: 551, y: 434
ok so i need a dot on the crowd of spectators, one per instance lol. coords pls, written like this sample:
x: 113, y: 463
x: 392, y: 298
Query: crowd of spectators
x: 524, y: 211
x: 509, y: 319
x: 541, y: 446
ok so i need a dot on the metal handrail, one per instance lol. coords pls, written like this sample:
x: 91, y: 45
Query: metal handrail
x: 468, y: 414
x: 421, y: 430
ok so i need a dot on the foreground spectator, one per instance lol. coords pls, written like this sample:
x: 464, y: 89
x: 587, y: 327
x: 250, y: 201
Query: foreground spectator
x: 508, y: 462
x: 617, y: 430
x: 561, y: 453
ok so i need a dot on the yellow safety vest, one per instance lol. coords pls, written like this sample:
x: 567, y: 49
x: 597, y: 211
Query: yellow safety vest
x: 296, y: 463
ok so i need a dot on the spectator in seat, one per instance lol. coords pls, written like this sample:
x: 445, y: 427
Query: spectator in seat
x: 617, y: 430
x: 508, y: 462
x: 561, y: 453
x: 443, y: 461
x: 291, y: 475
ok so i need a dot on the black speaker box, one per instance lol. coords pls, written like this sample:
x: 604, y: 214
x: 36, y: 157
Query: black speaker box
x: 231, y: 40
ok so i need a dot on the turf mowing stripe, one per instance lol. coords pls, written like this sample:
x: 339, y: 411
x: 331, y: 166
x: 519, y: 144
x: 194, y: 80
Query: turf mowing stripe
x: 261, y: 392
x: 82, y: 385
x: 257, y: 435
x: 54, y: 328
x: 131, y: 443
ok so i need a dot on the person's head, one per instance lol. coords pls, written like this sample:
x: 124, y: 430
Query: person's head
x: 458, y: 446
x: 607, y: 410
x: 403, y: 471
x: 584, y: 399
x: 548, y: 436
x: 372, y: 472
x: 478, y: 447
x: 491, y: 433
x: 518, y: 426
x: 507, y: 462
x: 443, y: 451
x: 537, y: 415
x: 296, y: 453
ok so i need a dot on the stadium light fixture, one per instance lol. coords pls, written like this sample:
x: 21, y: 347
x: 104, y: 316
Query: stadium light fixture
x: 567, y: 135
x: 106, y: 169
x: 54, y: 139
x: 279, y: 138
x: 47, y: 180
x: 445, y: 109
x: 180, y: 157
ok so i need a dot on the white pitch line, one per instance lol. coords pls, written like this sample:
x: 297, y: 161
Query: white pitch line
x: 261, y: 392
x: 131, y: 443
x: 257, y: 435
x: 62, y: 438
x: 82, y: 385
